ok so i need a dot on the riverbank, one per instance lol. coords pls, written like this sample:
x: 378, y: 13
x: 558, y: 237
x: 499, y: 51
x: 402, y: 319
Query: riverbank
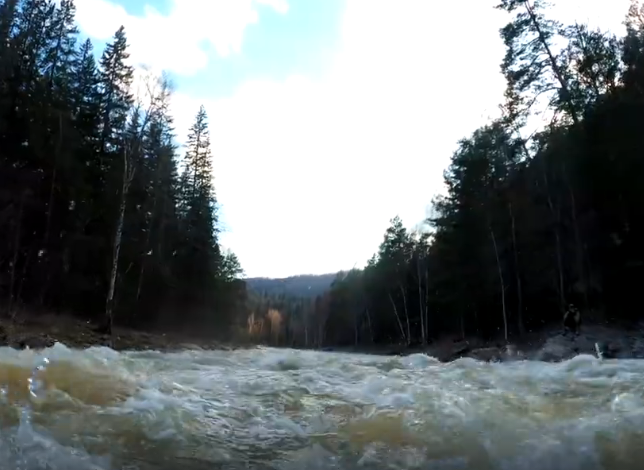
x: 548, y: 344
x: 41, y: 331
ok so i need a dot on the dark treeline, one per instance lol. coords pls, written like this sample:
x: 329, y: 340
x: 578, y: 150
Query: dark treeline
x: 530, y: 222
x: 98, y: 215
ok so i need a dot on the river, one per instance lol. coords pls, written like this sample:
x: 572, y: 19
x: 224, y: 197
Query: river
x: 304, y: 410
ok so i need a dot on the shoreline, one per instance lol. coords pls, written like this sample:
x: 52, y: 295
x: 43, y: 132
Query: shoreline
x: 42, y: 331
x: 548, y: 345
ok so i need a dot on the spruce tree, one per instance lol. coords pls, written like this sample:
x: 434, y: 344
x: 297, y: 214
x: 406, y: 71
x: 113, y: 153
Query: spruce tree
x: 199, y: 255
x: 91, y: 206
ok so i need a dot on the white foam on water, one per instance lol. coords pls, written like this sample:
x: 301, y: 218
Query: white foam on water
x: 283, y: 409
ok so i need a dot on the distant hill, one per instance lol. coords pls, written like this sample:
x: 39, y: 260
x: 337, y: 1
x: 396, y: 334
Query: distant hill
x: 307, y: 285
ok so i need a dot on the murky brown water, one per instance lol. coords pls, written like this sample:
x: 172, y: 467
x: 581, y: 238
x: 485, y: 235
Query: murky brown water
x: 299, y: 410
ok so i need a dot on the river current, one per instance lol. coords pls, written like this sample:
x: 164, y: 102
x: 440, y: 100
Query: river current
x: 303, y: 410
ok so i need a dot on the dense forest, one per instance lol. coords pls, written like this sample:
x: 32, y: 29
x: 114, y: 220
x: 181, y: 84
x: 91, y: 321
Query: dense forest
x: 98, y: 214
x: 103, y: 214
x: 532, y: 220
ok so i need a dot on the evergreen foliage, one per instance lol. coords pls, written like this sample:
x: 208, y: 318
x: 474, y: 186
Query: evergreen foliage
x: 95, y: 218
x: 530, y: 222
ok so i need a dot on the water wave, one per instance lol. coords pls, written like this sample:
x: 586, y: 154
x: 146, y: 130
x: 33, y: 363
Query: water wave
x: 281, y: 409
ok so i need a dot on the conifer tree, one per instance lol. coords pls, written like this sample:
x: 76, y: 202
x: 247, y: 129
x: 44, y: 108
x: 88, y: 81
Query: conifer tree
x: 199, y: 256
x: 91, y: 206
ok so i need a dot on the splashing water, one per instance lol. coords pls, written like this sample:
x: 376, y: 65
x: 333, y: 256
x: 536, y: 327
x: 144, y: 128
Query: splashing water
x: 34, y: 385
x: 291, y: 410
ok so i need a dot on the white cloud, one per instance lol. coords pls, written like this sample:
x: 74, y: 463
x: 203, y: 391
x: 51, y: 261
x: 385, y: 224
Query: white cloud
x: 281, y: 6
x: 309, y: 172
x: 175, y: 42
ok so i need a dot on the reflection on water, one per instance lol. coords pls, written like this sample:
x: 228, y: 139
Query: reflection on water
x: 282, y: 409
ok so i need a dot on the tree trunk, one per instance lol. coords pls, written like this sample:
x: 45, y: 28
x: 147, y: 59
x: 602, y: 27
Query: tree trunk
x: 23, y: 275
x: 520, y: 325
x: 320, y: 333
x: 426, y: 305
x: 16, y: 253
x: 420, y: 303
x: 369, y: 323
x: 128, y: 174
x: 306, y: 330
x: 498, y: 264
x: 50, y: 210
x: 555, y: 215
x: 148, y: 236
x: 356, y: 336
x: 400, y: 325
x: 402, y: 291
x: 579, y: 252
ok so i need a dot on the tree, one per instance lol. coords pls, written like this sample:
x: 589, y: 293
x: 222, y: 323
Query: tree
x: 527, y: 224
x: 199, y: 257
x: 92, y: 215
x: 533, y: 68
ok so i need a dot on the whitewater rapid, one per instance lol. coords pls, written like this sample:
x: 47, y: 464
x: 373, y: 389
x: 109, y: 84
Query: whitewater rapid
x: 304, y: 410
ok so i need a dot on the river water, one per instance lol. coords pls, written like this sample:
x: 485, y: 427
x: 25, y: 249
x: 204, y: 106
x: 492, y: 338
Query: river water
x: 303, y: 410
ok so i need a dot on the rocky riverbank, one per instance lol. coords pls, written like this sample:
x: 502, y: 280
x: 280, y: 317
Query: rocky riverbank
x: 553, y: 346
x: 548, y: 345
x: 36, y: 332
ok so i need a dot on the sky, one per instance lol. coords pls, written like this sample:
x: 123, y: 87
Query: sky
x: 327, y: 117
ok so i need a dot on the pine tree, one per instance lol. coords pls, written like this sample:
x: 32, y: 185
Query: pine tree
x: 533, y: 68
x: 116, y: 98
x: 199, y: 255
x: 91, y: 207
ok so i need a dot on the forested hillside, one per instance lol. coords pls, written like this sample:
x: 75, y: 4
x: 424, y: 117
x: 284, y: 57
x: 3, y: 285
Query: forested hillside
x: 531, y: 221
x: 306, y: 285
x: 98, y: 214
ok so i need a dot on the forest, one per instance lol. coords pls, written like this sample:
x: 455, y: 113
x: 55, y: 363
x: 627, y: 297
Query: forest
x: 98, y: 214
x: 103, y: 214
x: 535, y: 217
